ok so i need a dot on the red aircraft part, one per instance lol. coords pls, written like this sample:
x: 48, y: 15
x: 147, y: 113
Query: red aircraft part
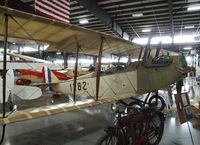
x: 27, y: 72
x: 61, y: 76
x: 38, y: 74
x: 23, y: 82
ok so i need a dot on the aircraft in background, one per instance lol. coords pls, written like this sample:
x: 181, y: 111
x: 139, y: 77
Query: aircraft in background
x: 19, y: 61
x: 32, y: 76
x: 31, y: 69
x: 23, y: 92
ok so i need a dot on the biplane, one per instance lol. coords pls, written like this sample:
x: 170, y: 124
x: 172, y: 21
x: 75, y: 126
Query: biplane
x: 32, y: 69
x: 151, y: 72
x: 21, y: 91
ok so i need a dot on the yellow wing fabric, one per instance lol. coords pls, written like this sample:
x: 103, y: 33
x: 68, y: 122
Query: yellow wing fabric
x: 28, y: 28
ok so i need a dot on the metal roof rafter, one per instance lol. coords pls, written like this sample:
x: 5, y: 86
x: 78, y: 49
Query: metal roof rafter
x: 93, y: 7
x: 170, y: 5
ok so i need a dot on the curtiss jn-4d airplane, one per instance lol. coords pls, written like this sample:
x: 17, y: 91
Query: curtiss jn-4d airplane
x: 155, y: 69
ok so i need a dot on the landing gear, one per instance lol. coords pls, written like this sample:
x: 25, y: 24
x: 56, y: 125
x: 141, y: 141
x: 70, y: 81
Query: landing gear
x: 157, y: 101
x: 152, y: 101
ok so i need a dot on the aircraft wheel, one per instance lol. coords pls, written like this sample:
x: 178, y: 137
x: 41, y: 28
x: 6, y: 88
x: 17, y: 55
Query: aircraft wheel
x: 112, y: 137
x: 155, y: 128
x: 157, y: 101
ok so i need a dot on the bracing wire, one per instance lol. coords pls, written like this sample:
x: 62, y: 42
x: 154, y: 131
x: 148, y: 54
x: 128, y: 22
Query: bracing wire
x: 156, y: 20
x: 197, y: 31
x: 117, y: 9
x: 133, y: 29
x: 181, y: 30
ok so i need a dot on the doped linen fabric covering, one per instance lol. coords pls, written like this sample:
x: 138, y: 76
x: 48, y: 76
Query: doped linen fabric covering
x: 27, y: 28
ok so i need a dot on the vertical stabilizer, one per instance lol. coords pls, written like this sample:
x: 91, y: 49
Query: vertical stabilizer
x: 48, y: 76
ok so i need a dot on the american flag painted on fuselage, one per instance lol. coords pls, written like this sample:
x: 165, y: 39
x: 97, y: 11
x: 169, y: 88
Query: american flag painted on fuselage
x: 54, y: 9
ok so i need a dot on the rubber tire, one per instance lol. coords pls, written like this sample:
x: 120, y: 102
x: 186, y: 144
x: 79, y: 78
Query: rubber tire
x: 160, y: 99
x: 161, y: 118
x: 108, y: 135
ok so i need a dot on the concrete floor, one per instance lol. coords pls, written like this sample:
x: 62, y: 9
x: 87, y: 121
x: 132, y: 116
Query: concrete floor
x: 84, y: 127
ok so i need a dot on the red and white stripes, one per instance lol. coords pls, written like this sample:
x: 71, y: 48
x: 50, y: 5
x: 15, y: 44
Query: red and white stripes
x: 54, y: 9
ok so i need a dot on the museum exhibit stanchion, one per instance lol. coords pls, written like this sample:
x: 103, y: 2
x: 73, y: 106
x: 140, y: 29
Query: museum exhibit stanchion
x: 184, y: 110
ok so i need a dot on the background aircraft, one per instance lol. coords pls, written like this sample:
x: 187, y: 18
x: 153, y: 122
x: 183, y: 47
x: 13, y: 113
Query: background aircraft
x: 23, y: 92
x: 31, y: 69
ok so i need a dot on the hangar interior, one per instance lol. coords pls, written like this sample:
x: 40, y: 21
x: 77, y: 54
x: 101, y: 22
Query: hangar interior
x: 168, y: 25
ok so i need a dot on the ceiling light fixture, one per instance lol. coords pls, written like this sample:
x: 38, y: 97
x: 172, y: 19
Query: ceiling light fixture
x: 83, y: 21
x: 193, y: 8
x: 137, y: 14
x: 146, y: 30
x: 142, y: 41
x: 189, y: 27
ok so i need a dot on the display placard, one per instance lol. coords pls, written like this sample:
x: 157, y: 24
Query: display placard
x: 183, y: 107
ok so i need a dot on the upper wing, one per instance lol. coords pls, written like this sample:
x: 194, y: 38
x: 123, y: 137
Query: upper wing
x: 29, y: 28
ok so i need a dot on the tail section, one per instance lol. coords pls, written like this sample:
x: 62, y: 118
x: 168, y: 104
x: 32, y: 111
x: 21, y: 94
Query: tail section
x: 49, y: 76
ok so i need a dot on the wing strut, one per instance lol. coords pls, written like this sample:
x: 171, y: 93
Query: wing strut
x: 4, y: 73
x: 139, y: 57
x: 147, y: 50
x: 158, y: 49
x: 75, y: 72
x: 99, y: 68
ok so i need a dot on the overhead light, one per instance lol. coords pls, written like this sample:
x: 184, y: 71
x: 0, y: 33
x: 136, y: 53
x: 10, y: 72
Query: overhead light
x: 146, y: 30
x: 58, y: 53
x: 187, y: 48
x: 137, y: 14
x: 142, y: 41
x: 193, y: 8
x: 83, y: 21
x: 146, y: 26
x: 13, y: 43
x: 189, y: 27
